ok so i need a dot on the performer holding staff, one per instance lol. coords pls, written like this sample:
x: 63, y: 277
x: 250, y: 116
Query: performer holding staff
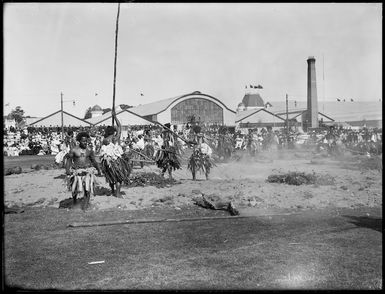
x: 115, y: 166
x: 115, y: 163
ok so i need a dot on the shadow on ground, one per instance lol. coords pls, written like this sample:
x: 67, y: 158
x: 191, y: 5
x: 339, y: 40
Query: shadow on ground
x: 99, y: 191
x: 102, y: 191
x: 373, y: 223
x: 68, y: 203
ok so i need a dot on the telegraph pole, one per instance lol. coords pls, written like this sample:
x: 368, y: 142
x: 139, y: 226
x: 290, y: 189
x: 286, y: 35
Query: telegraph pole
x: 62, y: 120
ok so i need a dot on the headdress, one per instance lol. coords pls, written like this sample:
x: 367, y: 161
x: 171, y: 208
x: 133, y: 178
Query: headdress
x: 197, y: 129
x: 81, y: 135
x: 109, y: 131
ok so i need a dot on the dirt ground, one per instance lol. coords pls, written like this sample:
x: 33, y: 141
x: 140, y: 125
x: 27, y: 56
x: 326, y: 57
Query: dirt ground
x: 243, y: 181
x: 294, y: 237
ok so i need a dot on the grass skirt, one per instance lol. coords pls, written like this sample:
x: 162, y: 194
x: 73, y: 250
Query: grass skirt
x: 167, y: 159
x: 81, y: 180
x: 200, y: 162
x: 116, y: 170
x: 149, y: 151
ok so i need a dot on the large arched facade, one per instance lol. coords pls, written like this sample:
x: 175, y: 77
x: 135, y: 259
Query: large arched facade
x: 204, y: 110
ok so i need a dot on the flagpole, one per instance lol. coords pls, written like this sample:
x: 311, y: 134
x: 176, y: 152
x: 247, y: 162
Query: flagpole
x: 116, y: 50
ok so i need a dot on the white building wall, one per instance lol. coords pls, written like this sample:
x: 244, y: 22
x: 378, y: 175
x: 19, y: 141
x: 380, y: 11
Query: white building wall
x: 96, y: 113
x: 228, y: 118
x: 165, y: 116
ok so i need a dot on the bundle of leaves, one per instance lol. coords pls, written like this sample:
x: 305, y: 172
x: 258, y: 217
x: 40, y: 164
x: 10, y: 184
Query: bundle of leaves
x: 13, y: 170
x: 150, y: 179
x: 301, y: 178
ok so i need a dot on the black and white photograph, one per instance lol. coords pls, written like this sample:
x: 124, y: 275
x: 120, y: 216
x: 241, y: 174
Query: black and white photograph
x: 192, y: 146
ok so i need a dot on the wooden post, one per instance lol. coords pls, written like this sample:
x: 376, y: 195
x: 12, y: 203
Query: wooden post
x: 116, y: 50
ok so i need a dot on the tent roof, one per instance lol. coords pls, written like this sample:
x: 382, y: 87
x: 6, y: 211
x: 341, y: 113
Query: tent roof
x: 257, y: 115
x: 126, y: 117
x: 54, y: 119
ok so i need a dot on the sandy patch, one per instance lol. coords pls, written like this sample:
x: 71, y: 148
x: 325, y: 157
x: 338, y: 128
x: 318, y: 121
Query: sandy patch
x: 243, y: 182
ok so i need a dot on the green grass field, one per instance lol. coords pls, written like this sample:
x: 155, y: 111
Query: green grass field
x: 310, y: 251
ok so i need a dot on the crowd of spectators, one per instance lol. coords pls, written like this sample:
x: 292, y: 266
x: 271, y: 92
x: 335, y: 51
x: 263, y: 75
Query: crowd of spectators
x: 363, y: 141
x: 49, y: 141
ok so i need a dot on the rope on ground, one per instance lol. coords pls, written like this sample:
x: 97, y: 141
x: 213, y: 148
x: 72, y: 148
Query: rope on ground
x: 142, y: 221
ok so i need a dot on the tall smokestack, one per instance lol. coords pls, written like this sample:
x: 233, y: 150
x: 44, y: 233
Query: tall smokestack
x: 312, y: 101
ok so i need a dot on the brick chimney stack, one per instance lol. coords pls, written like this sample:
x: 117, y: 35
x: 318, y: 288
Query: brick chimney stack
x: 312, y: 100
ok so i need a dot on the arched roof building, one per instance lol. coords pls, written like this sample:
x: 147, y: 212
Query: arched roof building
x: 179, y: 110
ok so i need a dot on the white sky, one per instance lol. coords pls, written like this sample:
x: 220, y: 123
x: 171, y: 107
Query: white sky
x: 167, y: 50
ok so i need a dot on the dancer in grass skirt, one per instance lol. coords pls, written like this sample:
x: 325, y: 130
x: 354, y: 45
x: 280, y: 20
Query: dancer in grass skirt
x: 167, y: 157
x: 200, y: 160
x: 81, y: 168
x: 115, y: 164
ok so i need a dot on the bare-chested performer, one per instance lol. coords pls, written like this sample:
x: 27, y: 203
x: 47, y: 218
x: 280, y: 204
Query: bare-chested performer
x: 81, y: 168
